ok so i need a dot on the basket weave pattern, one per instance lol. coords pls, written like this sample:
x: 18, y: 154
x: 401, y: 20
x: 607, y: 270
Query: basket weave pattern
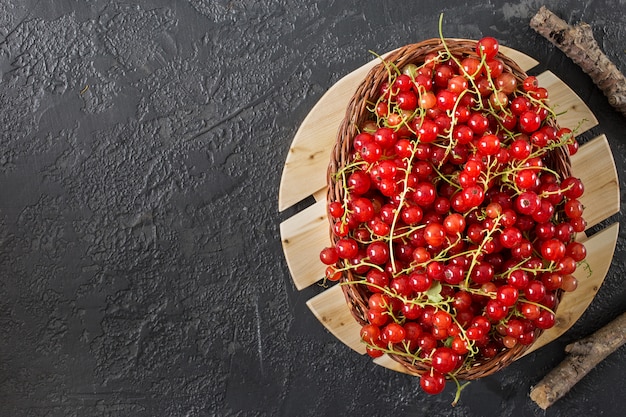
x: 356, y: 114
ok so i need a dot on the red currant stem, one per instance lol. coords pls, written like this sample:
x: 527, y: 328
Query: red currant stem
x: 470, y: 77
x: 389, y: 66
x: 489, y: 175
x: 541, y: 103
x: 373, y: 110
x: 363, y: 262
x: 442, y: 256
x: 400, y: 204
x: 445, y: 178
x: 459, y: 388
x: 507, y: 133
x: 535, y: 270
x: 523, y: 300
x: 572, y: 135
x: 501, y: 106
x: 480, y: 247
x: 441, y: 305
x: 352, y: 166
x: 407, y: 353
x: 341, y: 174
x: 545, y: 194
x: 405, y: 120
x: 409, y: 230
x: 364, y: 242
x: 471, y: 345
x: 451, y: 142
x: 453, y: 118
x: 406, y: 270
x: 477, y: 291
x: 443, y: 40
x: 513, y: 268
x: 549, y: 147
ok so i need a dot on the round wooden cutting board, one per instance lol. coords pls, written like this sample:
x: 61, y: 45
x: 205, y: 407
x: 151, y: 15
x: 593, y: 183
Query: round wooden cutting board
x: 305, y: 233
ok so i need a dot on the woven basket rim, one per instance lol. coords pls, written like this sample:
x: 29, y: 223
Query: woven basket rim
x: 356, y: 113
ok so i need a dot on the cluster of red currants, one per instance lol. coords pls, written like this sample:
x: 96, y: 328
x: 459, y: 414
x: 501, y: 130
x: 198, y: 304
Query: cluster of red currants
x: 453, y: 218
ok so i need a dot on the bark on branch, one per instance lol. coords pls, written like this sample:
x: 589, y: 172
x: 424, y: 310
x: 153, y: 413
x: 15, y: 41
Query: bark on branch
x: 583, y: 356
x: 578, y: 43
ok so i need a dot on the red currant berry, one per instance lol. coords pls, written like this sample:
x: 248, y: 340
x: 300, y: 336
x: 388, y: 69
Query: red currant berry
x: 444, y: 360
x: 393, y: 333
x: 529, y: 121
x: 370, y: 334
x: 433, y: 382
x: 488, y: 145
x: 553, y: 249
x: 329, y: 256
x: 419, y: 282
x: 487, y: 47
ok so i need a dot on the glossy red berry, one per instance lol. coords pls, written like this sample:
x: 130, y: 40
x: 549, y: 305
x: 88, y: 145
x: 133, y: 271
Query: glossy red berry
x: 433, y: 382
x: 487, y: 47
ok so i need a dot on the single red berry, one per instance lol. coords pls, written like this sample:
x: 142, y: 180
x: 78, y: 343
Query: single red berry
x: 335, y: 209
x: 530, y: 83
x: 433, y: 382
x: 546, y: 320
x: 444, y: 360
x: 435, y: 234
x: 362, y: 209
x: 402, y: 83
x: 377, y: 279
x: 529, y: 121
x: 427, y: 130
x: 488, y: 145
x: 495, y: 67
x: 332, y: 274
x: 572, y: 187
x: 506, y: 82
x: 358, y: 182
x: 378, y: 252
x: 370, y: 334
x: 419, y: 281
x: 407, y: 100
x: 553, y: 249
x: 535, y: 291
x: 394, y: 333
x: 374, y: 352
x: 329, y: 256
x: 471, y: 66
x: 527, y: 202
x: 487, y: 47
x: 347, y: 248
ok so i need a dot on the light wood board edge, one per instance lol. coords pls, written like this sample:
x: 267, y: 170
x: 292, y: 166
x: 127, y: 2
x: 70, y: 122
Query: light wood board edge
x: 571, y: 110
x: 595, y: 166
x: 332, y: 311
x: 303, y: 236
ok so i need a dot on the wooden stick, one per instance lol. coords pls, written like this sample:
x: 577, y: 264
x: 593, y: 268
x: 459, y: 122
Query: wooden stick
x: 582, y: 357
x: 578, y: 43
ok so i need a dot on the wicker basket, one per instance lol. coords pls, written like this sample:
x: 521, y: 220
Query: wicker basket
x: 356, y: 114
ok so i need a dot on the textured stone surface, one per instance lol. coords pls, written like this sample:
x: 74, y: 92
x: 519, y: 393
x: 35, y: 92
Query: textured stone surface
x: 141, y: 272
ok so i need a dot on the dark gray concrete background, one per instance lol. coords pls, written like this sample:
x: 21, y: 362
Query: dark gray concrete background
x: 141, y: 147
